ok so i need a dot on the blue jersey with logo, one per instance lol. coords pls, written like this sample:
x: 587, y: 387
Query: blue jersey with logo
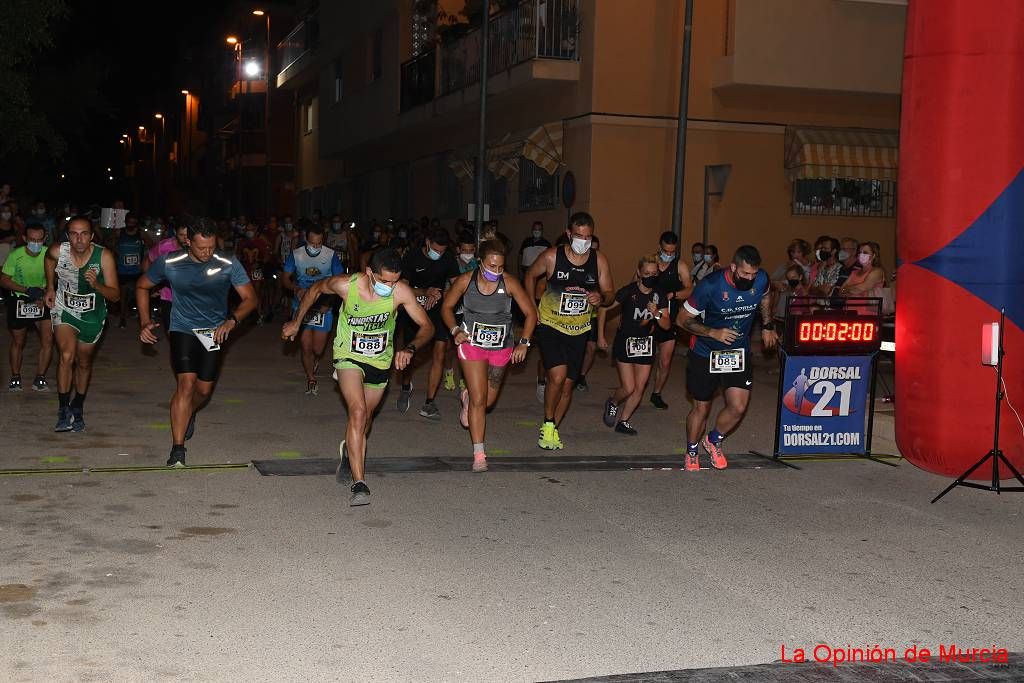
x: 130, y: 250
x: 200, y: 287
x: 308, y: 269
x: 723, y: 306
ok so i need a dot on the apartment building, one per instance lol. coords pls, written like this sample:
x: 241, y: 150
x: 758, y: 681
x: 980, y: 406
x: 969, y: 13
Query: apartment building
x: 792, y: 116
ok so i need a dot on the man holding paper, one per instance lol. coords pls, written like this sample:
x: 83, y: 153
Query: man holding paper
x: 200, y: 280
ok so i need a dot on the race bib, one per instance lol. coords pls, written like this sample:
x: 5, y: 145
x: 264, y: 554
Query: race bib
x: 130, y: 259
x: 488, y: 336
x: 205, y: 336
x: 369, y: 344
x: 573, y: 303
x: 315, y: 318
x: 80, y: 303
x: 28, y: 310
x: 639, y: 347
x: 729, y: 360
x: 257, y: 274
x: 422, y: 300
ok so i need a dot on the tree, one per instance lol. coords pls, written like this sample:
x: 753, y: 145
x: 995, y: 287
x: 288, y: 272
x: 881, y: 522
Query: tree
x: 25, y: 31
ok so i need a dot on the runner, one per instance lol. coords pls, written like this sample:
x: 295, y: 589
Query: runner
x: 675, y: 280
x: 303, y: 267
x: 24, y: 274
x: 255, y: 252
x: 364, y: 347
x: 484, y: 337
x: 645, y: 310
x: 592, y: 336
x: 200, y: 279
x: 578, y: 278
x: 727, y: 301
x: 131, y: 253
x: 176, y: 242
x: 468, y: 261
x: 80, y: 278
x: 428, y: 269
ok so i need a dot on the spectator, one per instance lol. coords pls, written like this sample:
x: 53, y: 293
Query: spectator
x: 828, y: 267
x: 696, y: 254
x: 798, y: 253
x: 847, y: 259
x: 794, y: 283
x: 532, y: 247
x: 868, y: 278
x: 709, y: 265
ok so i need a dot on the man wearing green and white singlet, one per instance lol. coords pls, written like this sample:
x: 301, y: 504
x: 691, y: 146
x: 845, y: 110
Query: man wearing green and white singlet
x: 364, y: 349
x: 81, y: 277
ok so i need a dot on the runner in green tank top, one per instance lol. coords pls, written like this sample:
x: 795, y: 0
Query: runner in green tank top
x: 80, y: 278
x: 364, y: 349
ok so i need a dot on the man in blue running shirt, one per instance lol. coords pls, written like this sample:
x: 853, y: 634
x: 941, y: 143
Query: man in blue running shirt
x: 304, y: 266
x: 719, y: 314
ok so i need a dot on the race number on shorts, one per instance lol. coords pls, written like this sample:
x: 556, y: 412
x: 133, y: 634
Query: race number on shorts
x: 257, y: 274
x: 487, y: 336
x: 639, y: 347
x: 130, y: 259
x: 205, y: 336
x: 369, y: 344
x: 573, y: 303
x: 729, y: 360
x: 315, y: 319
x: 28, y: 310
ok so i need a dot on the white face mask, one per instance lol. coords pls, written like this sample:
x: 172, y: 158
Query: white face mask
x: 466, y: 258
x: 34, y: 247
x: 843, y: 254
x: 537, y: 234
x: 6, y: 215
x: 580, y: 245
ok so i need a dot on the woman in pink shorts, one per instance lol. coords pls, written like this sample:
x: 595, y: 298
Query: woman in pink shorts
x: 484, y: 336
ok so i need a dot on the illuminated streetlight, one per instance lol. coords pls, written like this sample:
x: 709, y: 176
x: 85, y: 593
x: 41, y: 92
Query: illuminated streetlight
x: 258, y: 12
x: 184, y: 92
x: 158, y: 116
x: 142, y: 128
x: 124, y: 135
x: 121, y: 141
x: 252, y: 69
x: 232, y: 40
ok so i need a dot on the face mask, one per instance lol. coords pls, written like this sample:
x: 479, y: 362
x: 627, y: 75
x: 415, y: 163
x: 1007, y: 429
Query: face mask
x: 39, y: 212
x: 864, y: 259
x: 312, y: 251
x: 697, y: 257
x: 336, y: 227
x: 490, y: 276
x: 433, y: 255
x: 823, y: 254
x: 402, y: 234
x: 34, y: 247
x: 250, y: 234
x: 666, y: 258
x: 843, y: 255
x: 793, y: 284
x: 376, y: 234
x: 466, y: 258
x: 537, y: 234
x: 381, y: 289
x: 649, y: 281
x: 288, y: 227
x: 580, y: 245
x: 742, y: 283
x: 6, y: 215
x: 707, y: 258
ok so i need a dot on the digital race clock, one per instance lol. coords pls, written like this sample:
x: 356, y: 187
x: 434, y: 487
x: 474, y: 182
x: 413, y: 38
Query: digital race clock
x: 833, y: 332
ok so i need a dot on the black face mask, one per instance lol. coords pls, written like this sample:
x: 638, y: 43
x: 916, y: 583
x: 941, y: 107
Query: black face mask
x: 793, y: 284
x: 742, y: 283
x: 649, y: 281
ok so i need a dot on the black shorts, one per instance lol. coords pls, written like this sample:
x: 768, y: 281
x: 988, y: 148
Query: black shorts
x: 16, y: 323
x: 640, y: 354
x: 407, y: 329
x: 557, y: 349
x: 128, y: 280
x: 188, y: 355
x: 702, y: 383
x: 592, y: 335
x: 661, y: 335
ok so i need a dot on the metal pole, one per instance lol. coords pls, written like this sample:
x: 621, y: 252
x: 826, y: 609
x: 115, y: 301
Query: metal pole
x: 684, y: 96
x: 481, y: 153
x: 266, y: 125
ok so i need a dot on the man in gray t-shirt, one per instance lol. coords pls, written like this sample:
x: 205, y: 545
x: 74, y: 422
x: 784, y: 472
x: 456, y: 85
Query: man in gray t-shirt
x: 200, y: 280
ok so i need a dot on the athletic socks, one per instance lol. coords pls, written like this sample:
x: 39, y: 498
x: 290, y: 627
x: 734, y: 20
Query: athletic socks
x: 64, y: 399
x: 78, y: 402
x: 716, y: 436
x: 478, y: 448
x: 691, y: 447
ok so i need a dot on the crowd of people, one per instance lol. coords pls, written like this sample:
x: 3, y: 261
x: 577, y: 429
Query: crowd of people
x: 396, y: 297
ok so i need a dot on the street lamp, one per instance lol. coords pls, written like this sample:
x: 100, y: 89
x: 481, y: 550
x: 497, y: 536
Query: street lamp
x: 252, y: 69
x: 232, y: 40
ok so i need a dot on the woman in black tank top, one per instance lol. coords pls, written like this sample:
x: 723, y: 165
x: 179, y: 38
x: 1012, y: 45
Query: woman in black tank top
x: 484, y: 338
x: 674, y: 278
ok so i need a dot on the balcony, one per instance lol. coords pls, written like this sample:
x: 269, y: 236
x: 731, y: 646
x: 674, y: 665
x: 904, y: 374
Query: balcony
x: 295, y: 54
x: 543, y: 34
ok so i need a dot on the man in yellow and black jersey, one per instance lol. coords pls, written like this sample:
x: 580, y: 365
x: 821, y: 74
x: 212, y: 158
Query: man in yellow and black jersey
x: 578, y: 279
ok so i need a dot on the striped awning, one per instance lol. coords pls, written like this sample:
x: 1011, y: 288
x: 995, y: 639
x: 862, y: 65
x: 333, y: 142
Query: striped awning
x: 544, y: 147
x: 841, y: 153
x: 462, y: 168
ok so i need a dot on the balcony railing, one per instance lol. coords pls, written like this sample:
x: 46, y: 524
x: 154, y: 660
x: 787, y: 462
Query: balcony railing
x: 418, y: 80
x: 301, y: 40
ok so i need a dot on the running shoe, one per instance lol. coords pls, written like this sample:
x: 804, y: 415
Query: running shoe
x: 610, y: 410
x: 462, y: 384
x: 78, y: 420
x: 581, y: 384
x: 541, y: 386
x: 549, y: 440
x: 64, y: 420
x: 449, y: 380
x: 14, y: 384
x: 658, y: 402
x: 190, y: 430
x: 360, y: 494
x: 464, y: 413
x: 692, y: 461
x: 479, y: 462
x: 311, y: 388
x: 39, y: 384
x: 624, y: 427
x: 343, y: 475
x: 430, y: 411
x: 404, y: 399
x: 177, y: 458
x: 718, y: 460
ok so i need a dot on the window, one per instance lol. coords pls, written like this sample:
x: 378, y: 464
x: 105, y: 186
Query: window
x: 424, y: 14
x: 844, y: 197
x: 537, y: 189
x: 497, y: 193
x: 307, y: 117
x: 376, y: 55
x: 339, y: 80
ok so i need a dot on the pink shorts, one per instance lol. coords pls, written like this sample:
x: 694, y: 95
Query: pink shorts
x: 498, y: 358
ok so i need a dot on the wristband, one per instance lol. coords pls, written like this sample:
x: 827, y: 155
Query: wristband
x: 232, y: 317
x: 455, y: 330
x: 411, y: 348
x: 769, y: 326
x: 524, y: 340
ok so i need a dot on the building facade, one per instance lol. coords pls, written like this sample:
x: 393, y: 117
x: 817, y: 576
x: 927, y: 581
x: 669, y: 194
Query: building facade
x: 793, y: 112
